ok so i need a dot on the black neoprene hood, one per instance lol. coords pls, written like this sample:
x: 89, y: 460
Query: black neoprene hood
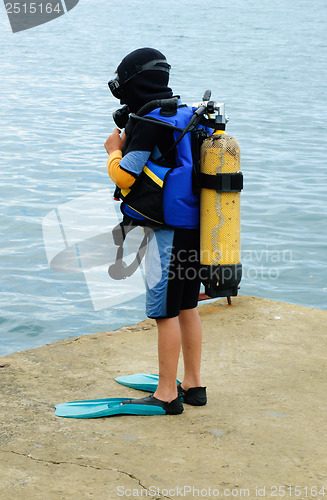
x: 146, y: 85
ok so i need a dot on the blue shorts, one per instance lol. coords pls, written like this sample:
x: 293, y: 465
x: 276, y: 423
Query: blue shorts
x: 172, y: 272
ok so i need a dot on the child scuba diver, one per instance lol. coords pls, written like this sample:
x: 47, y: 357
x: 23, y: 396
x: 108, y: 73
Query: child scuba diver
x: 153, y: 171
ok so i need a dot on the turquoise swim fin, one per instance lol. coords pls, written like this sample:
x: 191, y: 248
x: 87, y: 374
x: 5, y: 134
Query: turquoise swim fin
x: 141, y: 381
x: 105, y: 408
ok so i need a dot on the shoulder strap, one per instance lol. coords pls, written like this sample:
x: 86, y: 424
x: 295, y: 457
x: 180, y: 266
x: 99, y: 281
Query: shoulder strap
x: 120, y: 270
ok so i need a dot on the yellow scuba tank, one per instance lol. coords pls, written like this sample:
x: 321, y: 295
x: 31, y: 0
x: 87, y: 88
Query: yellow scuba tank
x: 221, y: 182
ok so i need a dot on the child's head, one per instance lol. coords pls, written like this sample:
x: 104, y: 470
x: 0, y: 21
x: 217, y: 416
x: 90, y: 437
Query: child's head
x: 142, y: 76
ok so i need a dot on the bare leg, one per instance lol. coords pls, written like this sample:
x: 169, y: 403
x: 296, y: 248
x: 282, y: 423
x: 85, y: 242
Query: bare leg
x: 169, y: 346
x: 191, y: 334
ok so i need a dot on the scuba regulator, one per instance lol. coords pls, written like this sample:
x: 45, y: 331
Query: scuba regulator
x: 121, y: 117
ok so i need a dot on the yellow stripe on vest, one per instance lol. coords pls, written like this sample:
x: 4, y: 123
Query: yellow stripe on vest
x: 125, y: 192
x: 153, y: 176
x: 145, y: 216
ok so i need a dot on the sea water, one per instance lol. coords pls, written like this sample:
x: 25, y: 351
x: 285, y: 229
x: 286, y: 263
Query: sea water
x: 266, y: 60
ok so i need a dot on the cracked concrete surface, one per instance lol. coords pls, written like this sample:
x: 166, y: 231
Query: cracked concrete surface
x: 264, y: 363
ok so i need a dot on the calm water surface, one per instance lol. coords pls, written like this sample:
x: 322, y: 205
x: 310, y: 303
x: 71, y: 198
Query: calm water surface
x: 265, y: 60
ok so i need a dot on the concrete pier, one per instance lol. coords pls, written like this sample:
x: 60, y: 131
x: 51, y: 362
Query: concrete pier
x: 262, y: 433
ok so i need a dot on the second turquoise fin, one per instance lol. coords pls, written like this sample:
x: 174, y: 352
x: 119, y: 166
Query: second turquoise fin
x: 140, y: 381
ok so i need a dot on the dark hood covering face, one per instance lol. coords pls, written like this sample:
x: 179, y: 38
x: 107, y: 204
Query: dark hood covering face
x: 146, y: 86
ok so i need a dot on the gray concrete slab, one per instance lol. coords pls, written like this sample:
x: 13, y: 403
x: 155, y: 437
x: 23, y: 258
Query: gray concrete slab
x: 264, y: 363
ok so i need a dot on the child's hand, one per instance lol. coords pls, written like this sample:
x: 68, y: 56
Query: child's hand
x: 115, y: 141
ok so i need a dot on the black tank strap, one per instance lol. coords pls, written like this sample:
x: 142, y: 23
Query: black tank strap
x: 224, y: 183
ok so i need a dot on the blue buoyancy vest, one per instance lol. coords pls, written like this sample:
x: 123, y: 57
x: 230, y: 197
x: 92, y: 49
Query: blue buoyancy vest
x: 164, y: 194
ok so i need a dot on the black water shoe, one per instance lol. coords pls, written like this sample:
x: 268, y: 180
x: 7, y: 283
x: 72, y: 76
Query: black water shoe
x: 195, y: 396
x: 175, y: 407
